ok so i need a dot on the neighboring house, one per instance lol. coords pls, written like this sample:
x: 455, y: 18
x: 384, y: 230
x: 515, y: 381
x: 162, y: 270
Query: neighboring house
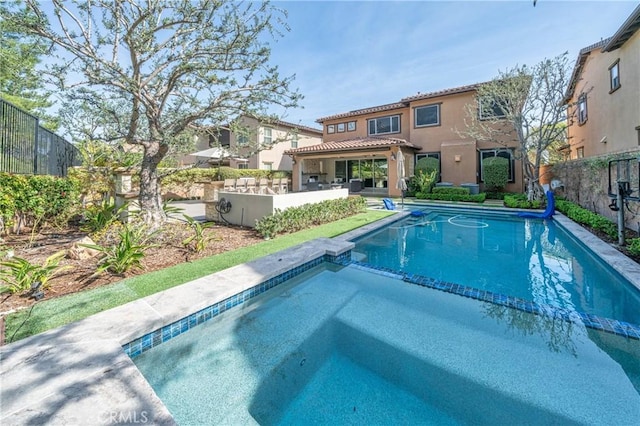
x: 365, y: 144
x: 257, y: 146
x: 604, y: 94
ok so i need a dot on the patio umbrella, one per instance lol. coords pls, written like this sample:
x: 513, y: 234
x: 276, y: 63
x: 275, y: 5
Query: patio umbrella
x: 213, y: 153
x: 401, y: 184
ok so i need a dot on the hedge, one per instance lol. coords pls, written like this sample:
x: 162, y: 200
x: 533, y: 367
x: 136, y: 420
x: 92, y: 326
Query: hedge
x: 475, y: 198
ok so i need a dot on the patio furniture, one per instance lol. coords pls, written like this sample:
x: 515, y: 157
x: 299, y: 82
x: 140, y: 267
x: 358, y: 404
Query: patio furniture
x: 229, y: 185
x: 263, y: 185
x: 355, y: 185
x: 251, y: 185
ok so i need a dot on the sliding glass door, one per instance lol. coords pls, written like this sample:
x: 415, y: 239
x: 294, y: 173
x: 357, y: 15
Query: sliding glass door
x: 372, y: 172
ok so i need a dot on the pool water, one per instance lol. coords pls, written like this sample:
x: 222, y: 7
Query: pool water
x: 342, y: 345
x: 530, y: 259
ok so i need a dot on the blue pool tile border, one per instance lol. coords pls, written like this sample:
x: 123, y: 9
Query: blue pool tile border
x: 142, y: 344
x: 608, y: 325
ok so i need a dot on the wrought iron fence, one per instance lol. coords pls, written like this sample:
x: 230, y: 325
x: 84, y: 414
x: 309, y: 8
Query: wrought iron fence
x: 28, y: 148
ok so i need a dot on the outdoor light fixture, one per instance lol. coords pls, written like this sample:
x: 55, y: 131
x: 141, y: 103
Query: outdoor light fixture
x: 393, y: 157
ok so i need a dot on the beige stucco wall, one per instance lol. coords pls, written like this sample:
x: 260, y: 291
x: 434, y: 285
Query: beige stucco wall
x: 362, y: 129
x: 247, y: 208
x: 280, y: 135
x: 611, y: 116
x: 452, y: 115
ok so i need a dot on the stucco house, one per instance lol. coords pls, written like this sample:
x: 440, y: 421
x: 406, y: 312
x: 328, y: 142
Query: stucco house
x: 364, y: 145
x: 604, y: 94
x: 256, y: 145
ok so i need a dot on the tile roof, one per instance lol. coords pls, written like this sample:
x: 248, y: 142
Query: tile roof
x: 297, y: 126
x: 577, y: 69
x: 351, y: 145
x: 403, y: 102
x: 626, y: 31
x: 378, y: 108
x: 445, y: 92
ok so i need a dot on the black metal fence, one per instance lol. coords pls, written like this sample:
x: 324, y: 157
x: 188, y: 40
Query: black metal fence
x: 28, y: 148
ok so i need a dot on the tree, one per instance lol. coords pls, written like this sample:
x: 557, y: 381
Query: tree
x: 20, y: 82
x: 160, y: 68
x: 529, y: 101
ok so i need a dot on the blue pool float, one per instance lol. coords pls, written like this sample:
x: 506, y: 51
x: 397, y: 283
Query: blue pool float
x: 417, y: 213
x: 548, y: 212
x: 389, y: 204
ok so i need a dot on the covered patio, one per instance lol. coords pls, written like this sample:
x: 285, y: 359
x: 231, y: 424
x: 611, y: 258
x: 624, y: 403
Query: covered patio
x: 362, y: 165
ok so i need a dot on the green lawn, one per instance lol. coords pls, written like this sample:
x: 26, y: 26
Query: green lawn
x: 53, y: 313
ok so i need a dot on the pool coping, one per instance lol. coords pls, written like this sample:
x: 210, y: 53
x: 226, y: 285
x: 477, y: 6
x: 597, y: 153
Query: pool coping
x: 79, y: 373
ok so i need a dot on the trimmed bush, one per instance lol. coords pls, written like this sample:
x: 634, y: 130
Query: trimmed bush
x: 476, y: 198
x: 519, y: 201
x: 495, y: 171
x: 427, y: 165
x: 297, y: 218
x: 587, y: 217
x: 454, y: 190
x: 33, y: 200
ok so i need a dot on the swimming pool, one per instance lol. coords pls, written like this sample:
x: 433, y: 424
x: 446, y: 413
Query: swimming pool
x: 343, y: 345
x: 530, y: 259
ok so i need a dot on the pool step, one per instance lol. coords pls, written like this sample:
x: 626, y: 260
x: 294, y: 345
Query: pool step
x: 455, y: 355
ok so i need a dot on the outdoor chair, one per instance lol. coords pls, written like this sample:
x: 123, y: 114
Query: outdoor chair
x: 275, y: 185
x: 241, y: 185
x: 250, y: 185
x: 263, y: 185
x: 230, y: 185
x: 283, y: 186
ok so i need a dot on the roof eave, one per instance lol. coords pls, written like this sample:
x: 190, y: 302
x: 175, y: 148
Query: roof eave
x: 625, y: 32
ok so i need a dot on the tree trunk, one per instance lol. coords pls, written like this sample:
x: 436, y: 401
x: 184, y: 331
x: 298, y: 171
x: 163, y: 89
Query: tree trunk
x: 150, y: 198
x: 532, y: 176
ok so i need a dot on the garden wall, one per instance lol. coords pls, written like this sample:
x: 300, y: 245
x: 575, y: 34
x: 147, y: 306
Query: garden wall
x: 585, y: 182
x: 247, y: 208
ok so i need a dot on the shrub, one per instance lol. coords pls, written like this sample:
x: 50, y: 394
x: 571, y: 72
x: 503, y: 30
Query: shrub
x: 127, y: 253
x: 428, y: 165
x: 19, y: 274
x: 199, y: 239
x: 34, y: 200
x: 495, y: 171
x: 475, y: 198
x: 451, y: 190
x: 634, y: 246
x: 519, y: 201
x: 424, y: 181
x: 297, y: 218
x: 99, y: 217
x: 586, y: 217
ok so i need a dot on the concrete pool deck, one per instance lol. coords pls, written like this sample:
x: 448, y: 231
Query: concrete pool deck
x: 79, y: 373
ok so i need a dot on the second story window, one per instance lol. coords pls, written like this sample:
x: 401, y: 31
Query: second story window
x: 384, y: 125
x: 267, y: 136
x: 294, y: 141
x: 492, y: 108
x: 428, y: 115
x: 582, y: 109
x: 242, y: 139
x: 614, y: 76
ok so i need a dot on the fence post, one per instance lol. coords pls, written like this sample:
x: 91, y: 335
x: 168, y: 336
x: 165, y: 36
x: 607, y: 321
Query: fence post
x: 36, y: 146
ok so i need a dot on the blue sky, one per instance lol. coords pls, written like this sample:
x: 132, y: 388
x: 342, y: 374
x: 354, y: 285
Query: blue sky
x: 351, y: 55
